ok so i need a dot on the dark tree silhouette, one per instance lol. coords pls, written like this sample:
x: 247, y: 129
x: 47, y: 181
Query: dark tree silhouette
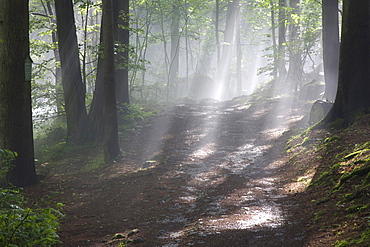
x: 111, y: 145
x: 354, y: 63
x: 120, y: 9
x: 15, y: 91
x: 121, y: 25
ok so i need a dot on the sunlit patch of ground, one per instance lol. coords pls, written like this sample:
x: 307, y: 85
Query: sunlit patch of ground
x: 204, y: 151
x: 205, y: 173
x: 250, y: 217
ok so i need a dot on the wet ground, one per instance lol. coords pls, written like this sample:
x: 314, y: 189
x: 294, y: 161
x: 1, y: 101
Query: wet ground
x: 200, y: 174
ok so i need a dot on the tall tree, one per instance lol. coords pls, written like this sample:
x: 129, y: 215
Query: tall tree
x: 58, y: 71
x: 354, y: 63
x: 96, y: 122
x: 175, y: 45
x: 330, y: 37
x: 15, y: 91
x: 121, y: 35
x: 217, y: 37
x: 111, y: 145
x: 121, y: 25
x: 227, y: 48
x: 273, y: 36
x: 73, y: 87
x: 281, y: 40
x: 295, y: 64
x: 238, y: 53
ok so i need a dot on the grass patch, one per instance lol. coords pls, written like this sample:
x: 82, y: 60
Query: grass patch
x: 96, y: 163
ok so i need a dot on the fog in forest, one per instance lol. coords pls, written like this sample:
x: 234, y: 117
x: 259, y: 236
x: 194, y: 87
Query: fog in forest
x: 180, y: 118
x: 175, y: 51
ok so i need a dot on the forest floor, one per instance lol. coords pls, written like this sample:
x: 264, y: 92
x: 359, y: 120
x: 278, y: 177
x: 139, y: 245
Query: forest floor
x: 200, y: 174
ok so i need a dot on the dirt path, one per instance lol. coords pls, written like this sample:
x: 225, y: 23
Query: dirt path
x: 205, y: 174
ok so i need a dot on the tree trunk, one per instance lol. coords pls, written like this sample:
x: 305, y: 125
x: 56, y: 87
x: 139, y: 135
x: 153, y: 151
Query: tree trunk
x: 227, y: 48
x: 281, y: 40
x: 330, y: 37
x: 354, y: 74
x: 175, y: 47
x: 111, y: 145
x: 295, y: 61
x: 274, y: 45
x: 217, y: 36
x: 239, y: 54
x: 96, y: 127
x: 15, y: 91
x: 96, y: 121
x: 121, y: 19
x: 74, y: 93
x: 58, y: 71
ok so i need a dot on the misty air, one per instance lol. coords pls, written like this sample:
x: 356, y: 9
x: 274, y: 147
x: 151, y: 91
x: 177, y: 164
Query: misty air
x: 214, y: 123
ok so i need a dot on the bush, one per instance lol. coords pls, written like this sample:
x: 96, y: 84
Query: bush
x: 22, y: 225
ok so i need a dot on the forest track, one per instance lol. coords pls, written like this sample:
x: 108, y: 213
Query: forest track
x: 200, y: 174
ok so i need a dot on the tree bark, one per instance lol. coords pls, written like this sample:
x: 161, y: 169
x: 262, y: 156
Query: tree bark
x: 74, y: 93
x: 96, y: 125
x: 121, y: 19
x: 58, y: 72
x: 217, y: 36
x: 295, y: 69
x: 224, y: 69
x: 96, y: 121
x: 274, y: 45
x: 330, y: 37
x: 354, y: 74
x: 281, y: 40
x: 111, y: 145
x: 239, y: 54
x: 16, y: 132
x: 175, y: 47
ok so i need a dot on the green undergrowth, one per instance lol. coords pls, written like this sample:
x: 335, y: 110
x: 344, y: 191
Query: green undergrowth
x: 52, y: 150
x: 134, y: 119
x: 24, y: 223
x: 341, y: 185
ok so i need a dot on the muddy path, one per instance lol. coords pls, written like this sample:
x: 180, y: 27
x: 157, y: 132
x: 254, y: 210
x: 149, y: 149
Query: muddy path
x: 200, y: 174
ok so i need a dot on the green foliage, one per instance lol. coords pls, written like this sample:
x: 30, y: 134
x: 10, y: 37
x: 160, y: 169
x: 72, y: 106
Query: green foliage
x: 332, y: 139
x: 95, y: 163
x: 47, y: 135
x: 342, y: 243
x: 60, y: 150
x: 365, y: 238
x: 318, y: 215
x: 132, y: 119
x: 6, y: 158
x: 22, y: 225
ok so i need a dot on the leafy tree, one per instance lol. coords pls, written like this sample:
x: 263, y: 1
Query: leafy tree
x: 16, y: 132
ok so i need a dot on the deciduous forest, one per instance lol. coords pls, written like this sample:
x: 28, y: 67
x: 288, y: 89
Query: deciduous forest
x: 184, y: 123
